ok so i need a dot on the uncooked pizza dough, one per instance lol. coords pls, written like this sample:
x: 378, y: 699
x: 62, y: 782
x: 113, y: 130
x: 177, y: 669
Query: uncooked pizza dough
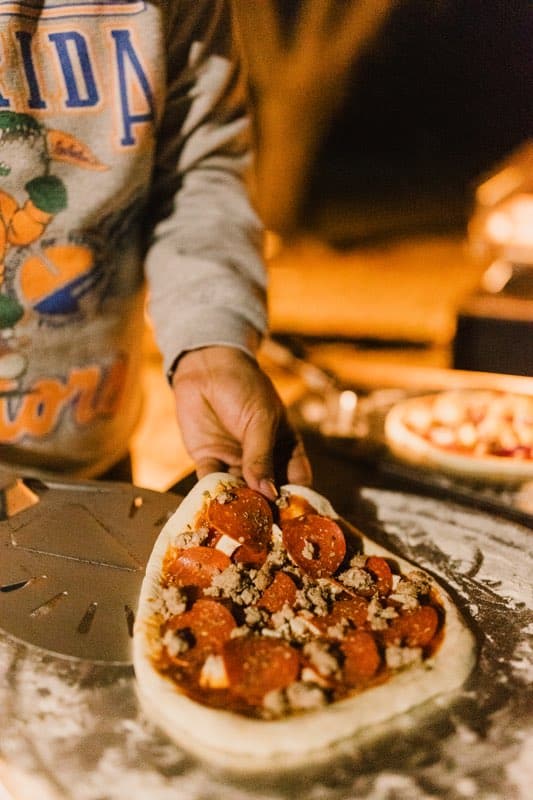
x: 265, y: 634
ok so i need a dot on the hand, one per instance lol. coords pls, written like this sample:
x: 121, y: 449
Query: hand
x: 232, y: 419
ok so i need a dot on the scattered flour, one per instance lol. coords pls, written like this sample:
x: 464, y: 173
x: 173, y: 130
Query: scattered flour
x: 79, y: 727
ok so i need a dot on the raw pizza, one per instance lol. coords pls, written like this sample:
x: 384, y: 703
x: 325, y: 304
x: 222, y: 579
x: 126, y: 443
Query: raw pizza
x: 268, y: 632
x: 475, y: 433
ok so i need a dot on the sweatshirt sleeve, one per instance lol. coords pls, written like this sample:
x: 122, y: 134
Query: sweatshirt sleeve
x: 204, y: 265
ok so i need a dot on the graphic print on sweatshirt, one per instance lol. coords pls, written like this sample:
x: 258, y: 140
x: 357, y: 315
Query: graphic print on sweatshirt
x: 80, y: 64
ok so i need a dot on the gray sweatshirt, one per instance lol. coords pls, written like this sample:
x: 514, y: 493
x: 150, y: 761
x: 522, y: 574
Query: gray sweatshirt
x: 123, y: 146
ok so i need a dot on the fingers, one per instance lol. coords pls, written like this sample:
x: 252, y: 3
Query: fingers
x: 273, y: 455
x: 267, y: 460
x: 290, y: 459
x: 299, y: 469
x: 258, y: 453
x: 232, y: 420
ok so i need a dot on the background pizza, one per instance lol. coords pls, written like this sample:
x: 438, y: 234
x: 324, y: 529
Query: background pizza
x: 475, y: 433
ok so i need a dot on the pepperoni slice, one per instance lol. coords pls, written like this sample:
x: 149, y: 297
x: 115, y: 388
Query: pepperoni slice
x: 257, y: 665
x: 362, y: 659
x: 296, y: 507
x: 195, y: 566
x: 208, y: 625
x: 282, y: 591
x: 245, y: 515
x: 352, y: 609
x: 415, y: 628
x: 380, y: 570
x: 316, y: 544
x: 250, y: 556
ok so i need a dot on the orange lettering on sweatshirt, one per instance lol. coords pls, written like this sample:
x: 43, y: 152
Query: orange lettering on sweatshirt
x: 110, y: 390
x: 83, y: 384
x: 87, y: 394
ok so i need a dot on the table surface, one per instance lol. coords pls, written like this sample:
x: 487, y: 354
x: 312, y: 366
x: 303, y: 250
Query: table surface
x: 74, y: 729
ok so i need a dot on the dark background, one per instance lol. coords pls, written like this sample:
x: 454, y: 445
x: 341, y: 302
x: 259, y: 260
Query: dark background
x: 442, y: 95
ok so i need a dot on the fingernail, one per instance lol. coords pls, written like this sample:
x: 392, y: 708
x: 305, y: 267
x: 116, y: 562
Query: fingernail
x: 268, y: 488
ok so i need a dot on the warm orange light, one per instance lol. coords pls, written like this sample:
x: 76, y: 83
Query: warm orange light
x: 512, y: 222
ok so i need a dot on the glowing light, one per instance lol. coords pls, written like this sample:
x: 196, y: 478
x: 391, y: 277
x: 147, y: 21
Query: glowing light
x: 512, y: 223
x: 346, y: 412
x: 497, y: 276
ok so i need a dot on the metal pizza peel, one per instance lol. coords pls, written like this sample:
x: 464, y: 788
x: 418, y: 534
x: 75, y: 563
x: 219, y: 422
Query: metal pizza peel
x: 72, y: 559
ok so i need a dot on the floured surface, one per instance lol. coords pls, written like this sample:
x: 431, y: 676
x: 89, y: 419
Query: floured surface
x: 80, y: 728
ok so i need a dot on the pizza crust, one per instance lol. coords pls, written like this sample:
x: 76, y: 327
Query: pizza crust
x: 245, y: 744
x: 407, y: 446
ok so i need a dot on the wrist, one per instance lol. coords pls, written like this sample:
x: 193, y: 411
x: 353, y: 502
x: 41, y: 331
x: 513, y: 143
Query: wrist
x: 208, y: 356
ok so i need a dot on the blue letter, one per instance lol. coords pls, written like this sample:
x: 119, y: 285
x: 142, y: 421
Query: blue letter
x: 74, y: 99
x: 126, y: 51
x: 35, y: 100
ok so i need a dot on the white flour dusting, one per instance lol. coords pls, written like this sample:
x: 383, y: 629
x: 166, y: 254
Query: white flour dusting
x: 79, y: 726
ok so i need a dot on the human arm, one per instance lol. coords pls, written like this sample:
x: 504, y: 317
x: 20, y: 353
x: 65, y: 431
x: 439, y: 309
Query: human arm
x: 206, y: 274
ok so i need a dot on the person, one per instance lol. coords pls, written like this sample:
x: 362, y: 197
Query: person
x: 123, y: 154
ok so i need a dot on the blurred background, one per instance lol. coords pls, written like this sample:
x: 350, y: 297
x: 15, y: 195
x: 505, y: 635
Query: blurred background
x: 442, y: 94
x: 394, y: 156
